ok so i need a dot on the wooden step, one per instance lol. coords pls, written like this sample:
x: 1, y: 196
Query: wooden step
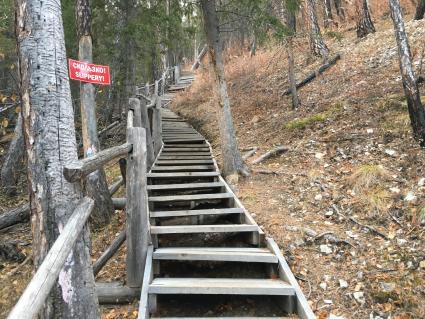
x: 220, y: 286
x: 186, y: 149
x: 183, y: 162
x: 194, y: 229
x: 184, y: 140
x: 184, y: 157
x: 187, y: 186
x: 196, y: 212
x: 193, y: 154
x: 185, y: 174
x: 186, y: 145
x: 255, y: 255
x: 178, y: 198
x: 189, y: 168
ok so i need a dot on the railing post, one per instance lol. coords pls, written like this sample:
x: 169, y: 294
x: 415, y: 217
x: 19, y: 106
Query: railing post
x: 157, y: 126
x: 147, y: 90
x: 156, y: 88
x: 147, y: 126
x: 176, y: 74
x: 137, y: 222
x: 134, y: 105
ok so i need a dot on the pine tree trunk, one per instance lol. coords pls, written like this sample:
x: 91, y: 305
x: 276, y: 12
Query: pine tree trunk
x: 232, y: 159
x: 328, y: 18
x: 49, y: 134
x: 364, y: 23
x: 291, y: 74
x: 411, y: 91
x: 317, y: 45
x: 420, y: 10
x: 12, y: 164
x: 96, y: 186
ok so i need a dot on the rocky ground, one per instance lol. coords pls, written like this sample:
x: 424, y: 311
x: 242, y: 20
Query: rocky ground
x: 346, y: 201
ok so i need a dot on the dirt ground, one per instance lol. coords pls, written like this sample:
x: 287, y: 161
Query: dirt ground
x: 346, y: 201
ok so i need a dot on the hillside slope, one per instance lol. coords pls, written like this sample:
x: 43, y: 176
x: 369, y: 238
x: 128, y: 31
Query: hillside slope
x: 351, y: 160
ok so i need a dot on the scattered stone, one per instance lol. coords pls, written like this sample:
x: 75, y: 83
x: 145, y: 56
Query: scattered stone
x: 255, y: 119
x: 343, y: 284
x: 318, y: 197
x: 299, y: 242
x: 329, y: 213
x: 360, y: 275
x: 390, y: 152
x: 291, y: 228
x: 387, y: 286
x: 328, y: 301
x: 323, y: 285
x: 319, y: 156
x: 369, y: 131
x: 410, y: 197
x: 359, y: 296
x: 325, y: 249
x: 351, y: 234
x: 253, y: 215
x: 421, y: 182
x: 422, y: 264
x: 401, y: 241
x: 395, y: 190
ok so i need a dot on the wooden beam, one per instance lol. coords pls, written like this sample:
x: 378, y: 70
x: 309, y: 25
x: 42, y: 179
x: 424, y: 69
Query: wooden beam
x: 147, y: 279
x: 108, y: 253
x: 137, y: 223
x: 35, y: 294
x: 115, y: 293
x: 76, y: 171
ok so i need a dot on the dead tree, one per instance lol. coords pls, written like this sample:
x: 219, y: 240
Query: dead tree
x: 232, y: 159
x: 364, y: 22
x: 339, y: 9
x: 96, y: 186
x: 49, y: 134
x: 420, y: 10
x: 327, y: 13
x: 12, y: 165
x: 411, y: 91
x: 317, y: 45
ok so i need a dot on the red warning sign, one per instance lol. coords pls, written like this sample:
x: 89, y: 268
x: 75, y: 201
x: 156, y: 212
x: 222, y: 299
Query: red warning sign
x: 91, y: 73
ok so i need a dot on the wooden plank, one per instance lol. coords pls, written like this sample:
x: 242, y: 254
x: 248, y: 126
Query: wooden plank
x: 196, y: 212
x: 161, y: 162
x: 220, y: 286
x: 184, y: 157
x: 115, y: 293
x: 77, y: 170
x: 241, y: 255
x: 194, y: 154
x: 189, y: 229
x: 302, y: 306
x: 186, y: 149
x: 147, y: 279
x: 189, y: 168
x: 108, y: 253
x: 34, y: 296
x: 157, y: 126
x: 177, y: 198
x: 186, y: 145
x: 186, y: 174
x: 184, y: 186
x: 137, y: 223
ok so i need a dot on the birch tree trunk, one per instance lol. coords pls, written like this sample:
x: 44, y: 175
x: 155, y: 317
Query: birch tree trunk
x: 96, y: 186
x: 49, y: 134
x: 420, y: 10
x: 232, y: 159
x: 12, y: 164
x: 364, y: 23
x: 411, y: 91
x: 317, y: 45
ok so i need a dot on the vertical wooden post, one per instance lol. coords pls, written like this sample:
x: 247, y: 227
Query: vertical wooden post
x: 176, y: 74
x: 134, y: 105
x: 156, y: 88
x: 157, y: 126
x: 147, y: 90
x: 149, y: 143
x: 137, y: 223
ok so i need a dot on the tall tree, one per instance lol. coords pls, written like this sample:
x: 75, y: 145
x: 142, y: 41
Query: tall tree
x: 96, y: 186
x: 232, y: 159
x: 339, y: 9
x: 50, y: 145
x: 364, y: 22
x: 317, y: 45
x: 411, y: 91
x: 420, y: 10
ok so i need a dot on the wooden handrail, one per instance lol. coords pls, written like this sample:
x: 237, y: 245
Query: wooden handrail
x: 77, y: 170
x: 44, y: 279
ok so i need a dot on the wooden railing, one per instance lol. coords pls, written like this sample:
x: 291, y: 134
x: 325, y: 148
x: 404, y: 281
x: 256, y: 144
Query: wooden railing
x: 143, y: 143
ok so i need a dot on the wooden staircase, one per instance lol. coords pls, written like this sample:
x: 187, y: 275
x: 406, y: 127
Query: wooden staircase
x: 208, y: 256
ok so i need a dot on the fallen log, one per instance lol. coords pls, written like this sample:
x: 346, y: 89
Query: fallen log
x: 115, y: 293
x: 17, y: 215
x: 313, y: 75
x: 108, y: 253
x: 199, y: 58
x: 250, y: 153
x: 119, y: 203
x: 274, y: 152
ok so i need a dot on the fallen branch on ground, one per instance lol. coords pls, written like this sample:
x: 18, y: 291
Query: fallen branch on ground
x: 265, y: 171
x: 278, y: 150
x: 108, y: 253
x: 17, y: 215
x: 250, y: 153
x: 354, y: 221
x: 313, y: 75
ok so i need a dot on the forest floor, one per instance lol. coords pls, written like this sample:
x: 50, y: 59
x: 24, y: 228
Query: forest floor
x: 350, y: 155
